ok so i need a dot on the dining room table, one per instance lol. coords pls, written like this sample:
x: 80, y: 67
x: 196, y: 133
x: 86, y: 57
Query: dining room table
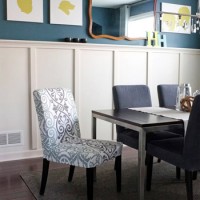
x: 142, y: 120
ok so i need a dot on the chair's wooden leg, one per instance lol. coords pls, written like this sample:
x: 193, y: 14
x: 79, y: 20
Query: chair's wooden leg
x: 89, y: 174
x: 45, y: 171
x: 115, y: 164
x: 118, y: 172
x: 178, y: 173
x: 195, y: 175
x: 159, y: 160
x: 149, y: 159
x: 189, y: 187
x: 71, y: 173
x: 94, y: 174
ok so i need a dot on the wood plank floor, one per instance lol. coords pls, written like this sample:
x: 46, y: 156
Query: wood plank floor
x: 12, y: 186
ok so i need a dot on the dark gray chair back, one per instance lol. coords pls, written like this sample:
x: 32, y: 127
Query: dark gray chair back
x: 167, y: 94
x: 127, y: 96
x: 130, y: 96
x: 192, y: 138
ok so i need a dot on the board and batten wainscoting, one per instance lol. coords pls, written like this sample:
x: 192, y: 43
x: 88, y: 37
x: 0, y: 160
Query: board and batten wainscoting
x: 90, y: 71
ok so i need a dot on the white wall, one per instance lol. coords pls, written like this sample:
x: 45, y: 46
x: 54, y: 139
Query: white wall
x: 90, y: 71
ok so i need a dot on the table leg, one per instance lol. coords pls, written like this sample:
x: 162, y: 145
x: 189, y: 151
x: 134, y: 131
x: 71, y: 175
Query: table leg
x: 141, y: 163
x: 94, y: 135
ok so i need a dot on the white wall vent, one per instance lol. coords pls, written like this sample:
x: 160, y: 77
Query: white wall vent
x: 11, y: 138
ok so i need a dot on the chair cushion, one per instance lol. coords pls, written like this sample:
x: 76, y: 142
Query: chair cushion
x: 130, y: 137
x: 170, y: 150
x: 85, y: 153
x: 162, y: 135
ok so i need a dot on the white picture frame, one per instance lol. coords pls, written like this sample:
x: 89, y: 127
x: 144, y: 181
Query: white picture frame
x: 26, y: 11
x: 176, y: 23
x: 67, y: 12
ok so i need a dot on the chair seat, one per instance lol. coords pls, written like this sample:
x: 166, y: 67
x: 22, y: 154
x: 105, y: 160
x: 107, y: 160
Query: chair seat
x: 171, y: 150
x: 130, y: 137
x: 87, y: 153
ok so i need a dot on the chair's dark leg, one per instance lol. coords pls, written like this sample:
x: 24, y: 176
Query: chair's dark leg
x: 115, y: 164
x: 159, y: 160
x: 94, y: 174
x: 149, y: 159
x: 45, y: 171
x: 118, y: 172
x: 178, y: 173
x: 189, y: 188
x: 89, y: 174
x: 195, y: 175
x: 71, y: 173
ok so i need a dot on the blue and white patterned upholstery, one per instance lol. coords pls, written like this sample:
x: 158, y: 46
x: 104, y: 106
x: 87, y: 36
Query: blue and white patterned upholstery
x: 60, y: 132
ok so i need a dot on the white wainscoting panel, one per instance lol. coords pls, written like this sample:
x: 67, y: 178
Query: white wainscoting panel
x: 190, y: 70
x: 95, y: 90
x: 130, y: 68
x: 14, y: 91
x: 163, y: 68
x: 54, y: 67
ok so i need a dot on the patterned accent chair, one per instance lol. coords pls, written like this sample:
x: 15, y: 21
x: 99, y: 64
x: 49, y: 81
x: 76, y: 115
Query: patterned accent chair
x: 61, y: 142
x: 181, y: 152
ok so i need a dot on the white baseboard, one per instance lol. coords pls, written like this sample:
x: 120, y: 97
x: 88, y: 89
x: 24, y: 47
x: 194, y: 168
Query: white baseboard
x: 20, y: 155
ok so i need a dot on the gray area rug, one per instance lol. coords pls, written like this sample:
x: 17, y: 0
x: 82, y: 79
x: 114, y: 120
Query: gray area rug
x: 165, y: 186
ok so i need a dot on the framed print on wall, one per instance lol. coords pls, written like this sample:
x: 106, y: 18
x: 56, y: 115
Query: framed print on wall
x: 68, y: 12
x: 27, y: 11
x: 176, y: 23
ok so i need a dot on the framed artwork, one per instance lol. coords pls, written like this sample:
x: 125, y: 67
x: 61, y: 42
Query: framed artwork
x: 67, y: 12
x: 176, y: 23
x: 27, y: 11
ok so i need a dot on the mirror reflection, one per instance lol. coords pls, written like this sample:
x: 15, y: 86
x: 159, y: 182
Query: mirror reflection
x: 121, y: 19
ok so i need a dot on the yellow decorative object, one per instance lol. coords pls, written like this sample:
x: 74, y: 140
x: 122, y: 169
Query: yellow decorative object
x: 65, y: 6
x: 186, y: 103
x: 152, y: 37
x: 25, y: 6
x: 185, y: 20
x: 169, y: 21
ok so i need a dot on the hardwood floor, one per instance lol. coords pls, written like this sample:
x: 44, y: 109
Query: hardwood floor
x: 12, y: 186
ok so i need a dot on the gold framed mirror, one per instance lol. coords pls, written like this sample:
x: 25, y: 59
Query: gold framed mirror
x: 101, y: 34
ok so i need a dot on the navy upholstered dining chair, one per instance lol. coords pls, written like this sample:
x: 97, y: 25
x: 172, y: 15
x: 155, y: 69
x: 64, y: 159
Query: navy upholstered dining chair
x: 167, y: 94
x: 181, y: 152
x: 130, y: 96
x: 61, y: 141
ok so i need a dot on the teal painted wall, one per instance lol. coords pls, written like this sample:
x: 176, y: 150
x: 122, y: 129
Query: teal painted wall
x: 50, y: 32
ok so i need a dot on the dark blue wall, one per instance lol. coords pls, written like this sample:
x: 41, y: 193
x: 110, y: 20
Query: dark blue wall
x: 139, y: 8
x: 50, y: 32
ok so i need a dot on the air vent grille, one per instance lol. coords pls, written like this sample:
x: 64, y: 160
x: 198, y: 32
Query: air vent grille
x: 3, y: 139
x: 11, y: 138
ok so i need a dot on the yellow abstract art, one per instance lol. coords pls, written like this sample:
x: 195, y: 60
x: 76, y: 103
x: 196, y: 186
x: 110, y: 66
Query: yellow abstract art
x: 176, y: 23
x: 25, y: 6
x: 67, y: 12
x: 66, y: 6
x: 25, y: 10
